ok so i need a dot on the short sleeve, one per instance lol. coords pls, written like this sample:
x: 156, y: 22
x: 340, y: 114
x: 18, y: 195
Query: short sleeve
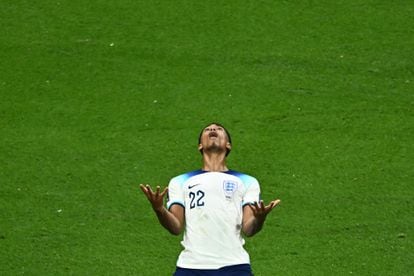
x: 175, y: 192
x: 252, y: 193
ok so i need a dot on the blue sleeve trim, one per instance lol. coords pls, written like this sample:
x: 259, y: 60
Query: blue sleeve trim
x: 246, y: 203
x: 176, y: 203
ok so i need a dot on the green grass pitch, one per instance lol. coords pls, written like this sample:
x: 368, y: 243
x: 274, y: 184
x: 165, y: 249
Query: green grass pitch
x: 99, y: 96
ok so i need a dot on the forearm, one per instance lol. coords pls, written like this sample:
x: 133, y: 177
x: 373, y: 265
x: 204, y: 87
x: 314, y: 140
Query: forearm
x: 253, y: 226
x: 169, y: 221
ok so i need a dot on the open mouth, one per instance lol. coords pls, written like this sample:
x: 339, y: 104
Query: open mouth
x: 212, y: 134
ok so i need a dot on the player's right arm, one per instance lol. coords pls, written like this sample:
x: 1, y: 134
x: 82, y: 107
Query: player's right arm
x: 172, y: 219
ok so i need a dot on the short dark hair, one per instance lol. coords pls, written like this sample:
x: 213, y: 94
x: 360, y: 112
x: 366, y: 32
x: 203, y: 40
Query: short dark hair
x: 220, y: 125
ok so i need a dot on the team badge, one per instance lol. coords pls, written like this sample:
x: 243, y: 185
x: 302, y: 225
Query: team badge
x: 229, y: 188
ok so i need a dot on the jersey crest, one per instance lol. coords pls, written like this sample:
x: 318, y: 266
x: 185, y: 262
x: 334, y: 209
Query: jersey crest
x: 229, y: 188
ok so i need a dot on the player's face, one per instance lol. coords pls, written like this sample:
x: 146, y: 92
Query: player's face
x: 214, y: 138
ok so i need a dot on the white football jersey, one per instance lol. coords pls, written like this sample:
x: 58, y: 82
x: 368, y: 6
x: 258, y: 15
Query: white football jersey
x: 213, y: 203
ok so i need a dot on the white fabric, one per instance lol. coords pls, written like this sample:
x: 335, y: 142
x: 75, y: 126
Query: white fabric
x: 213, y: 203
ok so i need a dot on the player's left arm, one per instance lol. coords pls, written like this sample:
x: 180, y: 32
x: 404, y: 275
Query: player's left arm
x: 254, y: 216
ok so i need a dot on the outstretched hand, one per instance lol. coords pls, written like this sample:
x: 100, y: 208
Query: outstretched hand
x: 260, y: 211
x: 155, y: 198
x: 254, y: 216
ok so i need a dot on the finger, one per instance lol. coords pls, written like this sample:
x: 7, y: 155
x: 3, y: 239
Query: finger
x: 145, y: 191
x: 272, y: 205
x: 143, y: 188
x: 164, y: 191
x: 149, y: 189
x: 157, y: 192
x: 259, y: 206
x: 276, y: 202
x: 262, y: 205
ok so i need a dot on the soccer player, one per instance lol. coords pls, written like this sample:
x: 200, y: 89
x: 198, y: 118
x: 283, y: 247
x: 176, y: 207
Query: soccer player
x: 214, y: 206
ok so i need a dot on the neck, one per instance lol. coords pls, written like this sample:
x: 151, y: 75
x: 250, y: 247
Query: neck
x: 214, y: 162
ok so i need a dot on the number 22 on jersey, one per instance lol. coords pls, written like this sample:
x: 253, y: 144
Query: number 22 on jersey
x: 196, y: 199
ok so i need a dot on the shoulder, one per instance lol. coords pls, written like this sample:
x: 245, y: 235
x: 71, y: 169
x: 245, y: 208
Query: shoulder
x: 180, y: 179
x: 247, y: 180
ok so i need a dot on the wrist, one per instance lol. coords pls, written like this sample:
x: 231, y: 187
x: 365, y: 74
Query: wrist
x: 159, y: 210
